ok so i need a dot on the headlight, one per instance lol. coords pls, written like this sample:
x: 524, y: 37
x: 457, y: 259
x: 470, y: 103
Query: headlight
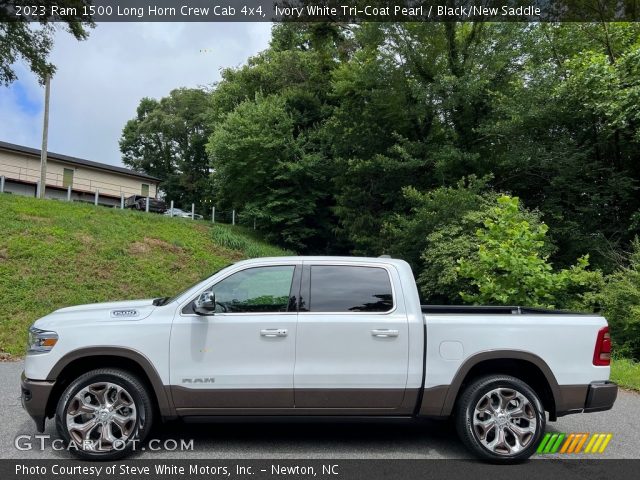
x: 41, y: 341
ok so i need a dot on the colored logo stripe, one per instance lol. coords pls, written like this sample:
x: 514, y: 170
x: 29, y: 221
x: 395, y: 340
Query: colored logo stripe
x: 556, y: 445
x: 606, y: 442
x: 581, y: 440
x: 574, y: 442
x: 550, y: 443
x: 598, y: 443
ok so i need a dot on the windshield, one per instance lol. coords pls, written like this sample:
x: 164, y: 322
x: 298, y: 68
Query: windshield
x: 166, y: 300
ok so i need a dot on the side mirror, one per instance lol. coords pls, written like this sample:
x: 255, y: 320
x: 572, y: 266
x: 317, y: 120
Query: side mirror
x: 205, y: 304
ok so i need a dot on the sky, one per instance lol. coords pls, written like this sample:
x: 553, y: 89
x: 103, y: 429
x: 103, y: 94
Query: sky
x: 100, y: 81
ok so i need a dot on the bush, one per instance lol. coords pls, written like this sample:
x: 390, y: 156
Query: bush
x: 440, y: 280
x: 621, y: 304
x: 510, y: 266
x: 407, y: 234
x: 239, y: 239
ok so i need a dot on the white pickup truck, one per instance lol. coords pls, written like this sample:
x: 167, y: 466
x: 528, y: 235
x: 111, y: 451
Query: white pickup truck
x: 313, y: 336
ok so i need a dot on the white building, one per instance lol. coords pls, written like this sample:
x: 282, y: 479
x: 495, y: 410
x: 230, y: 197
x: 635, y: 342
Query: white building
x: 20, y: 167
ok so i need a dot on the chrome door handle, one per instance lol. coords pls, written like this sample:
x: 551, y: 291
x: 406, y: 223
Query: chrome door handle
x: 274, y: 332
x: 384, y: 333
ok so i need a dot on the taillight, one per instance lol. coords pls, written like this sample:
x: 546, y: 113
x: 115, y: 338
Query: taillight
x: 602, y: 352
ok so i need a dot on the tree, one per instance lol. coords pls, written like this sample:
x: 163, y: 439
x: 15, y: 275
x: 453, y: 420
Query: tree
x: 406, y: 233
x: 261, y: 168
x: 563, y: 135
x: 167, y: 139
x: 390, y: 118
x: 294, y: 76
x: 510, y: 268
x: 441, y: 228
x: 420, y: 88
x: 32, y: 42
x: 621, y: 304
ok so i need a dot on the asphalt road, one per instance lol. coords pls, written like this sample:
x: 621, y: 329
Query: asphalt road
x: 429, y: 439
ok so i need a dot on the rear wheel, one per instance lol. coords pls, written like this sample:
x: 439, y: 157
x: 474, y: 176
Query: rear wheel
x: 104, y: 414
x: 500, y: 418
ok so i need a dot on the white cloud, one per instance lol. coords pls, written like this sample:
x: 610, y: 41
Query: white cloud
x: 100, y: 81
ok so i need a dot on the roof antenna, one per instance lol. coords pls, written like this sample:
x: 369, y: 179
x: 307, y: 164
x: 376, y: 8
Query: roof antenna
x: 384, y: 256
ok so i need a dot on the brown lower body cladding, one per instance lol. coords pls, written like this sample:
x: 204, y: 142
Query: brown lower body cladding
x: 435, y: 402
x: 315, y: 401
x: 598, y: 396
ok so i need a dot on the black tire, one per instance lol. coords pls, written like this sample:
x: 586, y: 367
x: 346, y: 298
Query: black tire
x: 136, y: 407
x: 493, y: 390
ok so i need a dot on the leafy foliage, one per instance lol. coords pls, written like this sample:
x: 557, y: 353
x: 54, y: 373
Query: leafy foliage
x: 399, y: 138
x: 244, y: 241
x: 262, y: 167
x: 510, y: 267
x: 20, y: 39
x: 621, y: 304
x: 167, y: 139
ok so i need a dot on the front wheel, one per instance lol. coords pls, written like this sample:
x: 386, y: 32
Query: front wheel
x: 500, y: 419
x: 104, y: 414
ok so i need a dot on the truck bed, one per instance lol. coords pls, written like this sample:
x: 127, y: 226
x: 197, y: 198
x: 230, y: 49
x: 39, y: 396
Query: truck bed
x: 493, y: 310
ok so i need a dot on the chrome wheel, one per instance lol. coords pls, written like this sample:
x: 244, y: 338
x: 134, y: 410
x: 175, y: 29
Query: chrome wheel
x: 101, y: 417
x: 504, y: 421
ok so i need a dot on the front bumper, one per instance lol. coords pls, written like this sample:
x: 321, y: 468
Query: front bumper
x: 600, y: 396
x: 35, y: 398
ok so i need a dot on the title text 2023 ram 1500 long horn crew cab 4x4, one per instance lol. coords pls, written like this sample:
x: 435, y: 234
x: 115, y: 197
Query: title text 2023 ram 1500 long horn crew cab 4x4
x: 313, y: 336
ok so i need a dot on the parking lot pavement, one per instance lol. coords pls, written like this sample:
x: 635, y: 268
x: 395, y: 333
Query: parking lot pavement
x: 428, y: 439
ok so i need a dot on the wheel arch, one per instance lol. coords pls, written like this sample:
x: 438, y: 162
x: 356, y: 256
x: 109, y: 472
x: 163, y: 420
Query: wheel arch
x: 83, y: 360
x: 526, y: 366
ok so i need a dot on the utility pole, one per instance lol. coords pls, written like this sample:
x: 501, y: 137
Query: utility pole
x: 45, y: 135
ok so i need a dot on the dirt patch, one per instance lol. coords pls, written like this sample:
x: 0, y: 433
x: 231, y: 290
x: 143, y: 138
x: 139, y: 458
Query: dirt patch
x: 4, y: 255
x: 34, y: 218
x: 7, y: 357
x: 141, y: 248
x: 201, y: 228
x: 234, y: 255
x: 24, y: 270
x: 84, y: 238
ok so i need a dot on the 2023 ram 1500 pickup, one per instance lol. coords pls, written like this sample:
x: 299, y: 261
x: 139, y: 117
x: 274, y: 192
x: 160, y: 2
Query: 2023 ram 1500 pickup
x: 313, y: 336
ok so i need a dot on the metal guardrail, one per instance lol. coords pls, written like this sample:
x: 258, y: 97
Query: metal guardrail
x: 56, y: 180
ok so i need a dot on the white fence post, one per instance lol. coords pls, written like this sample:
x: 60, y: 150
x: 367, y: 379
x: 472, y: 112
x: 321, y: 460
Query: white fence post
x: 171, y: 210
x: 95, y: 200
x: 121, y: 200
x: 38, y: 189
x: 193, y: 211
x: 68, y: 193
x: 213, y: 214
x: 233, y: 217
x: 2, y: 184
x: 146, y: 206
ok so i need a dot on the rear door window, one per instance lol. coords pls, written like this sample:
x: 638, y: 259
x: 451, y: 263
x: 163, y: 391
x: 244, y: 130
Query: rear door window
x: 343, y: 288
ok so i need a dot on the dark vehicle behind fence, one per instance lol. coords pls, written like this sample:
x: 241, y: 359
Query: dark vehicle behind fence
x: 139, y: 202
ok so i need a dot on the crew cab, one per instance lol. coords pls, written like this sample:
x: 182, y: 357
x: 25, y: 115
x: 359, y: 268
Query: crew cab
x: 313, y: 337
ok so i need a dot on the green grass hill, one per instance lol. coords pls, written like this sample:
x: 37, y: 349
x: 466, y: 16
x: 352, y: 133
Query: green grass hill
x: 55, y: 254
